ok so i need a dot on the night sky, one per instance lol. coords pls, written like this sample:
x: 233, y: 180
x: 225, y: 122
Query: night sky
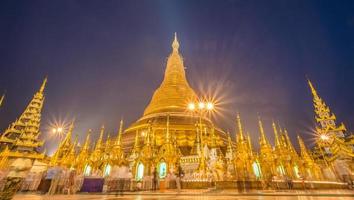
x: 104, y: 59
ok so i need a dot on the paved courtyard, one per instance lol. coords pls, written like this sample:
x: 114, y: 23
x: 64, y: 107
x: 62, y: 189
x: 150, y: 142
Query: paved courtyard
x: 201, y: 195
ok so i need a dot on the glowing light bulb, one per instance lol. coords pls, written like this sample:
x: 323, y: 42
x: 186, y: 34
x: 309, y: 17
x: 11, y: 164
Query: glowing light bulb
x: 191, y: 106
x: 201, y: 105
x: 210, y: 106
x: 324, y: 137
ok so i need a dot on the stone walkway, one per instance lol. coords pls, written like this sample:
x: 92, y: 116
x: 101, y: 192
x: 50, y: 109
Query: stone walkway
x: 201, y: 195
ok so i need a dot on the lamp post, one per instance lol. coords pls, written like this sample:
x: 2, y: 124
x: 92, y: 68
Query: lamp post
x: 200, y: 108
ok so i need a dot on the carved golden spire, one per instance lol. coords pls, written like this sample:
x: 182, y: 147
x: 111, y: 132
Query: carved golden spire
x: 174, y: 91
x: 117, y: 153
x: 70, y: 157
x: 2, y: 99
x: 119, y: 138
x: 249, y: 143
x: 239, y: 125
x: 67, y: 139
x: 263, y: 139
x: 83, y: 157
x: 277, y: 141
x: 175, y: 44
x: 24, y: 132
x: 63, y: 148
x: 41, y: 90
x: 324, y: 117
x: 86, y: 145
x: 303, y: 150
x: 100, y: 139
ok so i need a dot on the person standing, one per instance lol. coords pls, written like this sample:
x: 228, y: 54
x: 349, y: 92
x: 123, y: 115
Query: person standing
x: 179, y: 174
x: 154, y: 180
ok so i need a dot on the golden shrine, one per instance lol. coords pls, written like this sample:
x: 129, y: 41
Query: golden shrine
x: 176, y: 133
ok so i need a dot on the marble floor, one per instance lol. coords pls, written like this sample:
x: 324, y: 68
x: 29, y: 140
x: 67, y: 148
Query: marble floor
x: 192, y: 195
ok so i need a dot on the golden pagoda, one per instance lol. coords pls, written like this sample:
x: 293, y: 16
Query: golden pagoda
x: 266, y: 156
x: 171, y: 99
x: 69, y: 160
x: 310, y: 168
x: 96, y: 160
x: 63, y: 149
x: 243, y: 157
x: 117, y: 154
x: 333, y: 144
x: 82, y: 160
x: 20, y: 139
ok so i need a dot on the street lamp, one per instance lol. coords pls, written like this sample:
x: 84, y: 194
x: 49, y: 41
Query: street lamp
x: 202, y: 107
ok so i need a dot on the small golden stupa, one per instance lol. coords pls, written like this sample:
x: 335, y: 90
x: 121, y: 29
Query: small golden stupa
x: 171, y: 99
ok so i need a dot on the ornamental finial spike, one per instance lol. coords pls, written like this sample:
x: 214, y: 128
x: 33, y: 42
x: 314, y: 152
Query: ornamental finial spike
x: 313, y: 90
x: 2, y: 99
x: 41, y: 90
x: 175, y: 43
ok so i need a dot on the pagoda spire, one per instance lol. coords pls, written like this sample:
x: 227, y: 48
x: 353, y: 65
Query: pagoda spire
x: 277, y: 141
x: 175, y: 44
x: 323, y: 114
x: 83, y: 156
x: 249, y: 143
x: 174, y: 89
x: 2, y: 99
x: 63, y: 147
x: 303, y: 150
x: 120, y: 132
x: 263, y: 138
x: 99, y: 143
x: 67, y: 139
x: 24, y: 132
x: 68, y: 159
x: 239, y: 125
x: 86, y: 145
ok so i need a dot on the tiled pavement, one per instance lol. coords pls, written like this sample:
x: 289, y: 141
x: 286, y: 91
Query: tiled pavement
x: 202, y: 195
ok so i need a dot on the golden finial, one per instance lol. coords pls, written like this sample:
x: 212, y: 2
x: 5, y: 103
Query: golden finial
x: 175, y: 43
x: 41, y: 90
x: 277, y: 142
x: 303, y: 150
x: 239, y: 126
x: 2, y: 99
x: 87, y: 141
x: 313, y: 90
x: 263, y: 137
x: 100, y: 139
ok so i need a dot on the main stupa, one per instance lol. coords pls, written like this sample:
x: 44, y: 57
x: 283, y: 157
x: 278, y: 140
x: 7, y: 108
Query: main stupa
x: 171, y: 99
